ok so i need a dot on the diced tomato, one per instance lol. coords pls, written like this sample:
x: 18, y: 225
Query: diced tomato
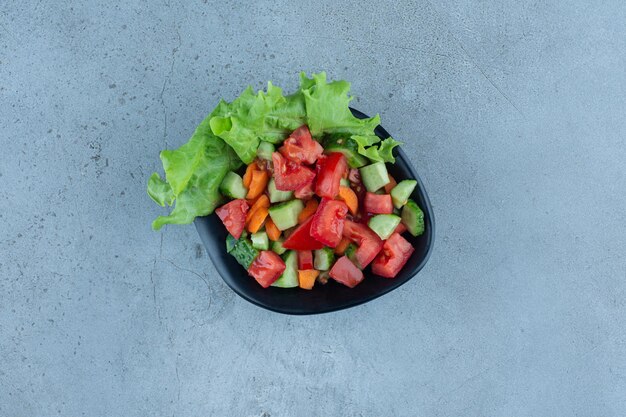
x: 233, y: 215
x: 346, y: 273
x: 301, y: 239
x: 396, y: 252
x: 305, y: 192
x: 300, y: 147
x: 327, y: 225
x: 329, y: 172
x: 401, y: 228
x: 290, y: 175
x: 378, y: 203
x: 305, y: 259
x: 368, y: 242
x: 266, y: 268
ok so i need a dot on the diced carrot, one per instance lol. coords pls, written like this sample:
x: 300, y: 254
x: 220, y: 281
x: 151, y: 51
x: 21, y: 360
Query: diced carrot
x: 392, y: 183
x: 257, y: 184
x: 273, y: 232
x: 349, y: 197
x: 342, y: 246
x: 306, y: 278
x: 247, y: 177
x: 308, y: 211
x: 257, y: 219
x: 261, y: 202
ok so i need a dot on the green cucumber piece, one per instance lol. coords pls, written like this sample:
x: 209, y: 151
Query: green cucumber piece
x: 265, y: 151
x: 400, y: 193
x: 231, y: 242
x: 232, y: 186
x: 374, y: 176
x: 289, y: 278
x: 413, y: 218
x: 384, y: 224
x: 277, y: 246
x: 277, y: 196
x: 348, y: 147
x: 285, y: 215
x: 323, y: 259
x: 350, y: 252
x: 243, y: 251
x: 344, y: 182
x: 260, y: 241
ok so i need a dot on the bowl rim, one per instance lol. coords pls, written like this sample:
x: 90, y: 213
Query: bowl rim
x: 430, y: 238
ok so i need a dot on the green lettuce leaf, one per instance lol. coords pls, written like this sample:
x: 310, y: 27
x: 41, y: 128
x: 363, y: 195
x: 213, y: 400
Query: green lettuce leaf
x: 251, y: 118
x: 380, y: 153
x: 193, y: 172
x: 231, y: 135
x: 160, y: 191
x: 327, y: 107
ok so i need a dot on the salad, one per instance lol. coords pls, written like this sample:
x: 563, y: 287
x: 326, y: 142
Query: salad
x: 300, y: 184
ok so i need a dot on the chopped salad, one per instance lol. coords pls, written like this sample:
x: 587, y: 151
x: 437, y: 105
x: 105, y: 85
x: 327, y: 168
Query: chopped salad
x: 310, y: 198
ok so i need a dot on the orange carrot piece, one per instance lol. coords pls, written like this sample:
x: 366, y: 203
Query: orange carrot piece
x: 273, y: 232
x: 247, y: 177
x: 261, y: 202
x: 392, y: 183
x: 349, y: 197
x: 306, y: 278
x: 257, y: 219
x: 308, y: 211
x: 341, y: 247
x: 257, y: 184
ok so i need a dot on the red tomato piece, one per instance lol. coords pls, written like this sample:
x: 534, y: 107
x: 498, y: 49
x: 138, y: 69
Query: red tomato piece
x: 329, y: 172
x: 233, y: 215
x: 346, y: 273
x: 301, y: 239
x: 300, y: 147
x: 396, y: 252
x: 401, y: 228
x: 290, y: 175
x: 327, y: 225
x: 305, y: 259
x: 378, y: 203
x: 368, y: 242
x: 305, y: 192
x: 266, y: 268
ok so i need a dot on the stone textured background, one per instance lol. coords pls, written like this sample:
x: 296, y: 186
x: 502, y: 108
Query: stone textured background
x: 514, y: 113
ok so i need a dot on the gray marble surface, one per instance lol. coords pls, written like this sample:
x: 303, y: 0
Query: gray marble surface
x: 514, y: 113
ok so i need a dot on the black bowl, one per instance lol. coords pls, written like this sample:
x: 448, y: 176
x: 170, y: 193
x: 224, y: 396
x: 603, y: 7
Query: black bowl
x: 332, y: 296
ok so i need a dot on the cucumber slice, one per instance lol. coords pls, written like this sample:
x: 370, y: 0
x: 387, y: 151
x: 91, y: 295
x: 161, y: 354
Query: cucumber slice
x: 232, y: 186
x: 289, y: 278
x: 413, y: 218
x: 277, y: 196
x: 243, y: 251
x: 285, y: 215
x: 323, y: 259
x: 231, y: 242
x: 350, y: 252
x: 384, y: 224
x: 348, y: 147
x: 260, y: 241
x: 400, y: 193
x: 374, y: 176
x: 265, y: 150
x: 344, y: 182
x: 277, y: 246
